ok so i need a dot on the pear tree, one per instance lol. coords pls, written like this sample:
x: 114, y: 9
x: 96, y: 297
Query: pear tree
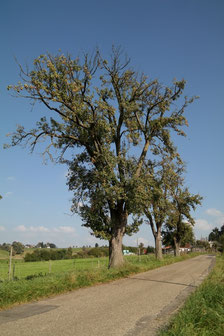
x: 105, y: 120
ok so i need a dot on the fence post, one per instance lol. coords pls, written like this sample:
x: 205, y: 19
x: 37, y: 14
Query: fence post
x: 10, y: 263
x: 13, y: 271
x: 49, y: 266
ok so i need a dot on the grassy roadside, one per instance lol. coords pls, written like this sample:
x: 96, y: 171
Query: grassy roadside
x: 21, y: 291
x: 203, y: 312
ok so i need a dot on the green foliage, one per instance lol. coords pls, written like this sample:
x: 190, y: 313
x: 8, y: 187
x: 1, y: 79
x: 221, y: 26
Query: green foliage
x: 18, y: 247
x: 5, y: 247
x: 217, y: 236
x: 43, y: 245
x: 162, y: 176
x: 202, y: 243
x: 167, y: 204
x: 33, y: 276
x: 184, y: 232
x: 92, y: 252
x: 104, y: 123
x: 150, y: 249
x: 99, y: 252
x: 59, y: 254
x: 48, y: 254
x: 178, y: 229
x: 214, y: 235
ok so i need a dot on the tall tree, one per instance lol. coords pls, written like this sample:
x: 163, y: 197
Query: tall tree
x: 180, y: 222
x: 185, y: 232
x: 114, y: 117
x: 214, y: 235
x: 18, y: 247
x: 157, y: 206
x: 217, y: 236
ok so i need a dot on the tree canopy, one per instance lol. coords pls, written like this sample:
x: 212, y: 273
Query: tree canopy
x: 110, y: 120
x: 180, y: 221
x: 18, y: 247
x: 217, y: 236
x: 163, y: 175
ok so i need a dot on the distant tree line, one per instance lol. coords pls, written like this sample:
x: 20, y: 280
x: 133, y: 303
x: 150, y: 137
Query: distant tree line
x: 43, y: 245
x: 18, y: 248
x: 48, y: 254
x: 60, y: 254
x: 94, y: 252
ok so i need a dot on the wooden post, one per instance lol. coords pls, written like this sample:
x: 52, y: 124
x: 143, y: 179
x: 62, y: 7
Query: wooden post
x: 13, y: 271
x: 49, y: 266
x: 138, y: 251
x: 10, y: 263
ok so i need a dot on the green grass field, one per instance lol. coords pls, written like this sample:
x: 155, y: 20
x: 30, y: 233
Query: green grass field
x: 21, y: 269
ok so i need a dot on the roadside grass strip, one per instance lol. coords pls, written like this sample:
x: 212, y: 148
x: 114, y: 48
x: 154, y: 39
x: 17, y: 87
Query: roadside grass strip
x: 37, y: 284
x: 203, y: 312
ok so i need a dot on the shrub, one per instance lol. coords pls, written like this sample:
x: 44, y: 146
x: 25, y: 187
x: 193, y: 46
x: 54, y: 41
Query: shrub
x: 48, y: 254
x: 33, y: 276
x: 99, y: 252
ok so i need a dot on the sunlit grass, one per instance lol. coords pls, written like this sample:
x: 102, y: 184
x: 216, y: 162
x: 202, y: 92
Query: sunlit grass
x: 23, y: 269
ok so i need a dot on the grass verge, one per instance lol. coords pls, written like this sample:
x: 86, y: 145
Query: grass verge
x: 23, y: 290
x: 203, y: 312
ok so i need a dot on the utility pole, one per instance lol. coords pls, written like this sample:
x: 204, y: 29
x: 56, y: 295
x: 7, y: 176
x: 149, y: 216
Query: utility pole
x: 138, y: 251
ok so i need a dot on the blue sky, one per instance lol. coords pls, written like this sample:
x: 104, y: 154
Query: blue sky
x: 165, y: 39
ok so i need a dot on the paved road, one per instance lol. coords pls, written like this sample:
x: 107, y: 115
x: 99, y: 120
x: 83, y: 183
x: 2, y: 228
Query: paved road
x: 134, y: 306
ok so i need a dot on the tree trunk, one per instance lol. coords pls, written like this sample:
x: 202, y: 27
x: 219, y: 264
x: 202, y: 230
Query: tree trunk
x: 158, y: 245
x: 176, y: 248
x: 116, y: 257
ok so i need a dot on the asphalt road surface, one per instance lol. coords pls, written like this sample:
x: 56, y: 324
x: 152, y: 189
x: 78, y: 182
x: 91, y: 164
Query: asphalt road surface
x: 135, y: 306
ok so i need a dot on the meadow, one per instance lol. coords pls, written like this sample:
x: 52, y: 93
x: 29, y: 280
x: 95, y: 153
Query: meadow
x: 21, y: 269
x: 35, y: 280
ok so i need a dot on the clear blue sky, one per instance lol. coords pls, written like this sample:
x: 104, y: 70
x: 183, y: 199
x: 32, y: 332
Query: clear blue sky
x: 165, y: 39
